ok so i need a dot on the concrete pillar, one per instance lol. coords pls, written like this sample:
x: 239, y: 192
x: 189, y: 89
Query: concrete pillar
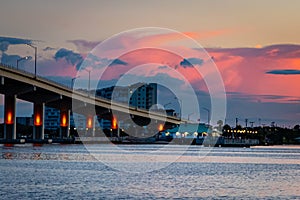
x: 10, y: 117
x: 94, y: 125
x: 38, y: 121
x: 65, y: 123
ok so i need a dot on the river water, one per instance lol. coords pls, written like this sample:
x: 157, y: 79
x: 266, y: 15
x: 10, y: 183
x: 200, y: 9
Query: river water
x: 149, y: 172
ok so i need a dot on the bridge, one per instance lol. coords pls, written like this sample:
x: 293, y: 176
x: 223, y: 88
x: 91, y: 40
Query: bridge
x: 43, y: 92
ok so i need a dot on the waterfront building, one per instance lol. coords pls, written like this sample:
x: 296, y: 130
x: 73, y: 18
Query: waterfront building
x: 170, y: 112
x: 52, y: 118
x: 143, y: 95
x: 78, y: 121
x: 104, y: 123
x: 140, y: 95
x: 26, y: 121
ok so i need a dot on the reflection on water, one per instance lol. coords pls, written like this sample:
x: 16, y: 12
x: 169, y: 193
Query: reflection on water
x: 70, y: 171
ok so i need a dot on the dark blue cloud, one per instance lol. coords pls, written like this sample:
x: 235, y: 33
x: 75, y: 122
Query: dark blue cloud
x: 70, y: 56
x: 6, y: 41
x: 9, y: 59
x: 48, y: 49
x: 118, y: 62
x: 4, y: 46
x: 284, y: 72
x: 190, y: 62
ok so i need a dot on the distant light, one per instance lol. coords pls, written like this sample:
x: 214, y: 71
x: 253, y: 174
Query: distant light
x: 186, y: 134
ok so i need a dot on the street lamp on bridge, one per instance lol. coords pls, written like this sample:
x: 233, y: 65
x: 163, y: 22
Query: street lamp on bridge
x: 89, y: 85
x: 208, y: 114
x: 180, y: 109
x: 23, y: 58
x: 72, y: 81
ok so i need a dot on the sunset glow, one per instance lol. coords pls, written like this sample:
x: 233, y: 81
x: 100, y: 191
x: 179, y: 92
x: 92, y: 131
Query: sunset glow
x: 257, y: 55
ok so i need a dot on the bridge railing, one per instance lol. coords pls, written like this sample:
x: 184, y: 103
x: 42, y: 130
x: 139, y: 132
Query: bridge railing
x: 33, y: 75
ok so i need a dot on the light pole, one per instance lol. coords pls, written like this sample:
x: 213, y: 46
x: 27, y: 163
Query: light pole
x: 23, y: 58
x: 208, y: 114
x: 89, y: 85
x: 35, y: 57
x: 180, y: 109
x: 72, y: 81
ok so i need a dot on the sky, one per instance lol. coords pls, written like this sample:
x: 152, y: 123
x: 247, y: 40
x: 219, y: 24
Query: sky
x: 255, y: 46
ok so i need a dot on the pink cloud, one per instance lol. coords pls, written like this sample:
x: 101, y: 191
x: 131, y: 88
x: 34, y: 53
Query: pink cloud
x: 246, y: 73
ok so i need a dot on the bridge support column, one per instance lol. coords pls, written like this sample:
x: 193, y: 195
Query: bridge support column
x: 10, y: 117
x: 38, y: 128
x: 65, y: 123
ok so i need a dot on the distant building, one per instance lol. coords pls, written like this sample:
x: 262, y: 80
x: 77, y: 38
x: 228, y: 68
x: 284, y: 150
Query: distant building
x: 170, y: 112
x: 78, y: 121
x: 52, y: 118
x: 140, y: 95
x: 143, y: 95
x: 26, y: 121
x: 104, y: 123
x: 115, y: 93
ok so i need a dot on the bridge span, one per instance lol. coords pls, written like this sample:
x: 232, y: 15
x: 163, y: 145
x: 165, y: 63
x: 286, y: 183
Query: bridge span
x: 43, y: 92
